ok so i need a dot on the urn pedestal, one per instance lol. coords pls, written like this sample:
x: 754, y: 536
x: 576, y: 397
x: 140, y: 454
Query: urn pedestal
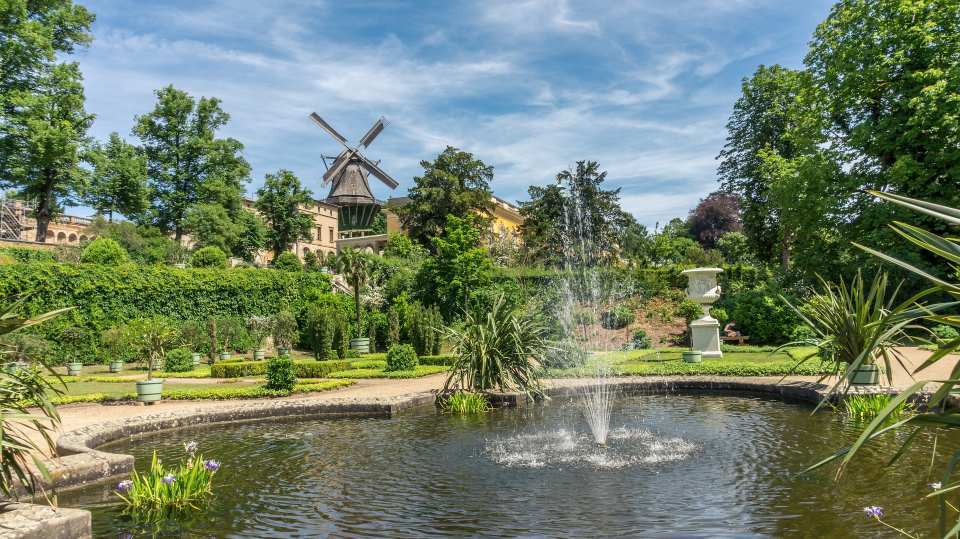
x: 702, y: 288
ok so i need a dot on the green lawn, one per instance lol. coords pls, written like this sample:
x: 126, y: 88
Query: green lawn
x: 669, y: 361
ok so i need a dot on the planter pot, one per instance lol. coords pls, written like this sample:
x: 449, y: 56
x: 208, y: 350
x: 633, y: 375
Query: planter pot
x: 693, y: 356
x: 259, y: 355
x: 73, y: 369
x: 361, y: 345
x: 196, y: 359
x: 224, y: 356
x: 149, y: 391
x: 14, y: 367
x: 866, y: 375
x: 283, y: 352
x: 116, y: 366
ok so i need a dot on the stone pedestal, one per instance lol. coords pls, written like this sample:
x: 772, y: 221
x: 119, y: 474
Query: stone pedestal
x: 705, y: 331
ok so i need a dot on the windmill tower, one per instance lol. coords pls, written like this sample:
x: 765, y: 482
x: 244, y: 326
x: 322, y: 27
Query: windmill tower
x: 349, y: 175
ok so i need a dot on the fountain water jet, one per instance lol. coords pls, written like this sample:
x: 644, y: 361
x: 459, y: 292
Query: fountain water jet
x: 596, y: 400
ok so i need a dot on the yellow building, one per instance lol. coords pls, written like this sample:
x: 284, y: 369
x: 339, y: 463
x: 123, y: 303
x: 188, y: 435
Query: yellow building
x: 505, y: 224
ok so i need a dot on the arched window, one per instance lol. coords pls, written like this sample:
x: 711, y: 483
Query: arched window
x: 61, y: 237
x: 73, y: 238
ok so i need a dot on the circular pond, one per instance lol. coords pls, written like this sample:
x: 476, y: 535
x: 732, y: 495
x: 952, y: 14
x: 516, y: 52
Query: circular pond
x: 676, y: 465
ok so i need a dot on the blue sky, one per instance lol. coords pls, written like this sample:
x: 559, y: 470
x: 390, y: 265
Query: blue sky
x: 529, y: 86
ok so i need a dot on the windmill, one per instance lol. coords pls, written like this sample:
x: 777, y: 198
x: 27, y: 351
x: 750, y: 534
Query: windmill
x: 348, y: 174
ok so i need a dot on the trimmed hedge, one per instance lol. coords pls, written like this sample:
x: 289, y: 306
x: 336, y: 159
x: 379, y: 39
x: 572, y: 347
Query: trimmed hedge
x: 303, y: 369
x: 210, y: 392
x: 26, y: 255
x: 104, y: 296
x: 444, y: 360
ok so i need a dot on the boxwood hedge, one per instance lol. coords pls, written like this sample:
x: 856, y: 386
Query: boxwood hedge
x: 303, y: 369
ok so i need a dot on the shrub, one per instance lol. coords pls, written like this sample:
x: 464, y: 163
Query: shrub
x: 401, y: 357
x: 302, y: 369
x: 761, y: 315
x: 802, y: 333
x: 287, y: 261
x: 26, y: 255
x: 259, y: 328
x: 465, y: 402
x: 689, y: 310
x: 208, y: 257
x: 617, y: 318
x: 584, y: 317
x: 280, y: 374
x: 944, y: 333
x: 106, y: 252
x: 284, y: 329
x: 178, y: 360
x: 640, y: 340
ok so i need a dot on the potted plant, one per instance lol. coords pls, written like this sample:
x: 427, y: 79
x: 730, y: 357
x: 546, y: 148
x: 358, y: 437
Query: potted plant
x: 152, y: 336
x: 285, y: 330
x: 116, y: 343
x: 855, y: 326
x: 226, y: 335
x: 24, y: 349
x: 71, y: 339
x: 194, y: 335
x: 353, y: 265
x: 259, y: 328
x: 692, y: 356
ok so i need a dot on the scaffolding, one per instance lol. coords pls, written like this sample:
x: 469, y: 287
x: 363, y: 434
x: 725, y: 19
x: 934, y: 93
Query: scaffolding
x: 13, y: 218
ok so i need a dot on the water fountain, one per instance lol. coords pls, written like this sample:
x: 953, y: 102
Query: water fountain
x: 596, y: 400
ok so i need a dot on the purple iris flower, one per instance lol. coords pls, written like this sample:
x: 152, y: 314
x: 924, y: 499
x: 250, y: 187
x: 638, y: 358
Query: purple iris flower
x: 168, y: 479
x: 124, y: 486
x: 874, y: 511
x: 190, y: 447
x: 211, y: 465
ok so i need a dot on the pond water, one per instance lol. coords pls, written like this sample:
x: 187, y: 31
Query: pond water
x: 676, y: 465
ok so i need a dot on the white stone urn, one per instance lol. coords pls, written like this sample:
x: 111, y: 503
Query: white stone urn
x: 702, y: 288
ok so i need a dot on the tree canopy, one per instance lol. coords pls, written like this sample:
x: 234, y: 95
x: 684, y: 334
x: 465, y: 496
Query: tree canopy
x: 118, y: 182
x: 279, y: 202
x: 455, y: 183
x: 187, y: 164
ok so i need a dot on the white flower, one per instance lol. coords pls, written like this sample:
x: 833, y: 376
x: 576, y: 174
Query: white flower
x: 936, y: 486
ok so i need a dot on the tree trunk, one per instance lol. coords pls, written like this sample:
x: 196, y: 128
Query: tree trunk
x: 785, y: 253
x: 43, y: 214
x: 356, y: 303
x: 178, y: 233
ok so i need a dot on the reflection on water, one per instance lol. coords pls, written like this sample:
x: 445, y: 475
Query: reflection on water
x: 691, y: 465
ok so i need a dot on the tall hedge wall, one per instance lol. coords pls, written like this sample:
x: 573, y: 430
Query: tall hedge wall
x: 104, y: 296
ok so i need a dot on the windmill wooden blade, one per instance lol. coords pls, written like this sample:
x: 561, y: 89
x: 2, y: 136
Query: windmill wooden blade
x: 372, y: 168
x: 328, y: 128
x: 337, y: 166
x: 373, y: 132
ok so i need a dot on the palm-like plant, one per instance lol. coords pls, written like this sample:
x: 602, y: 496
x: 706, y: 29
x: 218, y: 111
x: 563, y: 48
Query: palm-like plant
x: 501, y: 350
x: 948, y: 249
x: 856, y: 325
x: 25, y: 435
x: 354, y: 266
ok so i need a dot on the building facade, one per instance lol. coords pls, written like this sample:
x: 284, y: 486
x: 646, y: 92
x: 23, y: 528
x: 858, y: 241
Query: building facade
x: 504, y: 225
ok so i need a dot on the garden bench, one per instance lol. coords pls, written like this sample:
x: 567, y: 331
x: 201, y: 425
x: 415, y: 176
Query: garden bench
x: 739, y: 339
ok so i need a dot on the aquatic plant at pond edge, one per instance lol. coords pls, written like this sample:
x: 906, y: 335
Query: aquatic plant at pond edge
x: 867, y: 407
x: 162, y: 492
x: 464, y: 403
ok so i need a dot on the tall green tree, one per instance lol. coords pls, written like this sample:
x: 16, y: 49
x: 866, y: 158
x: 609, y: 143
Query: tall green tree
x: 455, y: 183
x: 575, y: 219
x: 187, y: 164
x: 279, y: 202
x: 118, y: 183
x: 32, y: 34
x: 210, y: 225
x: 252, y: 235
x: 458, y: 271
x: 44, y: 137
x: 890, y: 74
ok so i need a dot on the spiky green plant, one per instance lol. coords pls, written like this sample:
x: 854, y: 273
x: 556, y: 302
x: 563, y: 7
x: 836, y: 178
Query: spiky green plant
x: 28, y: 417
x: 501, y: 349
x: 465, y: 403
x: 935, y: 414
x: 858, y: 324
x: 862, y: 408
